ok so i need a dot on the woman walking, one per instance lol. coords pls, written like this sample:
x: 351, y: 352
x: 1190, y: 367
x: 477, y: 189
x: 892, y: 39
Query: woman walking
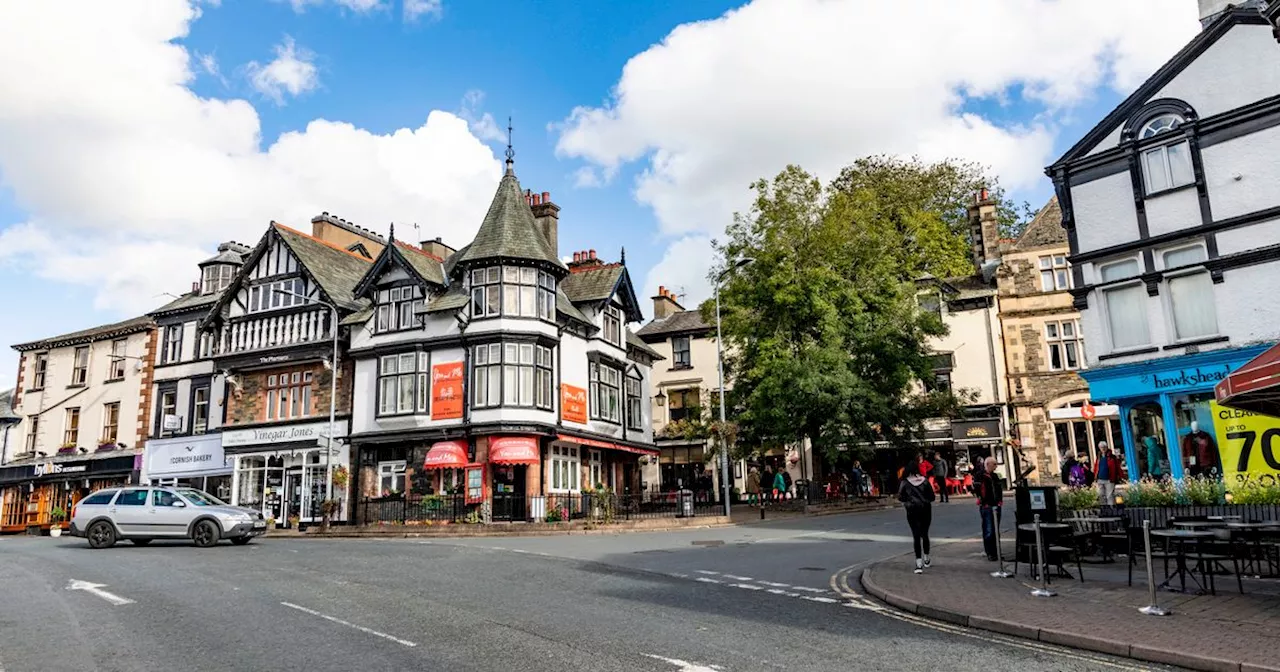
x: 753, y: 488
x: 779, y: 486
x: 916, y: 496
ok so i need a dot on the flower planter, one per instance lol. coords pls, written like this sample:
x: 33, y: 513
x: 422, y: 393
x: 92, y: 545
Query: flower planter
x: 1161, y: 515
x: 55, y: 531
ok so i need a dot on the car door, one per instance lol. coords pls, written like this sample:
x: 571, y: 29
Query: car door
x: 169, y: 514
x: 131, y: 513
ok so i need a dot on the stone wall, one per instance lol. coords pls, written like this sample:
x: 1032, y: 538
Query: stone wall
x: 248, y: 404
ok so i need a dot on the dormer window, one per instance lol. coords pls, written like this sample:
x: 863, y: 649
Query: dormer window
x: 217, y: 278
x: 513, y: 291
x: 1167, y: 166
x: 613, y: 325
x: 396, y: 309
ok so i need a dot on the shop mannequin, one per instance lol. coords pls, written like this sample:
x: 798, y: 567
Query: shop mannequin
x: 1199, y: 451
x: 1154, y: 455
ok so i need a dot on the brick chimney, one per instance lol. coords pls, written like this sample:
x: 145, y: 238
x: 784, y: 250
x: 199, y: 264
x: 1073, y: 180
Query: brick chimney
x: 665, y: 304
x: 437, y: 248
x: 584, y: 261
x: 984, y: 229
x: 547, y: 215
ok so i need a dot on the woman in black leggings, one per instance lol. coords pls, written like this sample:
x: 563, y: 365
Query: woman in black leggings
x: 916, y: 495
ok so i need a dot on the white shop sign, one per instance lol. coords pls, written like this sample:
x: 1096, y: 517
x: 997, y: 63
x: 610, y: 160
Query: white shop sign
x: 314, y: 432
x: 186, y: 456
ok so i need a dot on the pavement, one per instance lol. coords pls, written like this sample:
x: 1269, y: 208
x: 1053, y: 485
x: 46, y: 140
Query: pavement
x: 1229, y: 631
x: 729, y: 599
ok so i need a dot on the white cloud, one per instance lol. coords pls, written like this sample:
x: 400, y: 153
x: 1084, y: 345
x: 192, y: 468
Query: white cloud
x: 293, y: 71
x: 720, y: 103
x: 416, y: 9
x: 360, y: 6
x: 482, y: 124
x: 129, y: 178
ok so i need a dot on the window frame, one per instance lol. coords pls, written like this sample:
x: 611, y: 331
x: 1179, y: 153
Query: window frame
x: 171, y: 395
x: 1111, y: 286
x: 635, y: 402
x: 110, y: 423
x: 199, y: 417
x: 299, y: 400
x: 1195, y: 269
x: 116, y: 368
x: 394, y: 307
x: 679, y: 362
x: 683, y: 394
x: 33, y: 424
x: 492, y: 288
x: 80, y: 366
x: 499, y: 369
x: 612, y: 331
x: 71, y: 427
x: 602, y: 390
x: 220, y: 279
x: 565, y: 470
x: 1055, y: 335
x: 396, y: 470
x: 39, y: 371
x: 262, y: 297
x: 418, y: 375
x: 1056, y: 275
x: 171, y: 349
x: 1157, y: 153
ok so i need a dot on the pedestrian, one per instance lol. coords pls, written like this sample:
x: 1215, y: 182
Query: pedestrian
x: 1106, y: 474
x: 1070, y: 470
x: 940, y: 477
x: 916, y: 493
x: 779, y: 485
x: 990, y: 502
x: 926, y: 467
x: 753, y: 487
x: 766, y: 483
x: 857, y: 478
x: 786, y: 484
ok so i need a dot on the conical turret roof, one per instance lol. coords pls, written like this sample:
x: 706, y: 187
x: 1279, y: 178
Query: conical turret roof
x: 508, y: 231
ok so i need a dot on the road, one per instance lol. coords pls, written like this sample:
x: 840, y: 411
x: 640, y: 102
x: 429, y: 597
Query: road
x: 755, y: 597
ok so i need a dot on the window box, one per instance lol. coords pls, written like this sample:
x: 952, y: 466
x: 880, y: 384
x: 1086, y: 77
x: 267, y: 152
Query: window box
x: 107, y: 447
x: 69, y: 449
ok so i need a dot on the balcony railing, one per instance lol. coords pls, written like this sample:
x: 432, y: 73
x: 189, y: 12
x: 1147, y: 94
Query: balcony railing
x: 273, y: 331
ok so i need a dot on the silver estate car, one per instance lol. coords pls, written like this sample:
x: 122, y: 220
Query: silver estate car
x: 142, y: 513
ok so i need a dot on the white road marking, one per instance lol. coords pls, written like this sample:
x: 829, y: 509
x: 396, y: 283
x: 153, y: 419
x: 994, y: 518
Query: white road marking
x: 361, y: 628
x: 777, y: 591
x: 738, y: 578
x: 775, y: 585
x: 684, y: 665
x: 824, y: 600
x: 703, y: 571
x: 704, y: 579
x: 97, y: 589
x: 809, y: 590
x: 746, y: 586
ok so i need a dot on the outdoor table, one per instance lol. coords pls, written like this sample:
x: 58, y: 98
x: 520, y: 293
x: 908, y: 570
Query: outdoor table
x: 1252, y: 526
x: 1051, y: 528
x: 1198, y: 524
x: 1097, y: 527
x: 1226, y: 519
x: 1181, y: 537
x: 1251, y: 535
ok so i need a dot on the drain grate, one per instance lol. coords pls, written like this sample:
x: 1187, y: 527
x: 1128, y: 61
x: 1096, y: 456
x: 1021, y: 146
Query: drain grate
x: 813, y: 569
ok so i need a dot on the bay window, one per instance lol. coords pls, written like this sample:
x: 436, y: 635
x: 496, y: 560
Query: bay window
x: 1190, y: 295
x: 1126, y: 305
x: 606, y: 393
x: 403, y: 384
x: 512, y: 374
x: 513, y: 291
x: 396, y: 309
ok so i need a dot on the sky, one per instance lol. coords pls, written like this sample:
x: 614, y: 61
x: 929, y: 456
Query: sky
x: 136, y: 135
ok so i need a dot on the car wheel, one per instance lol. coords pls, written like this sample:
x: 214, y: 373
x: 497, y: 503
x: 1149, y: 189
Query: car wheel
x: 241, y: 541
x: 205, y: 534
x: 101, y: 535
x: 140, y: 542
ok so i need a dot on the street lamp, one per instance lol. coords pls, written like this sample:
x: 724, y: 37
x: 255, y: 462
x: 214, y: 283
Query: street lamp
x: 724, y: 449
x: 333, y: 388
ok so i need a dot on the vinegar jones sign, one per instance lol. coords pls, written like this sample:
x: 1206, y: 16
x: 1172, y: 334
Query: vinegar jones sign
x: 446, y: 391
x: 1249, y: 444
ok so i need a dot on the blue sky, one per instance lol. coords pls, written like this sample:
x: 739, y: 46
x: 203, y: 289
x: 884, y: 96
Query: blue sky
x: 656, y: 158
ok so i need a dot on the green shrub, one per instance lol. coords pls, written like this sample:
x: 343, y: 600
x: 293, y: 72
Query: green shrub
x: 1201, y: 491
x: 1076, y: 499
x: 1253, y: 492
x: 1148, y: 492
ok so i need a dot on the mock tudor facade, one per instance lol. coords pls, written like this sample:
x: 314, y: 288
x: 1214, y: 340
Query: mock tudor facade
x: 1174, y: 234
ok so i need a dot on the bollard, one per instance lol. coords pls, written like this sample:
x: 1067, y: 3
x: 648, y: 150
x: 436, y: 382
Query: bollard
x: 1000, y: 572
x: 1043, y: 590
x: 1152, y: 609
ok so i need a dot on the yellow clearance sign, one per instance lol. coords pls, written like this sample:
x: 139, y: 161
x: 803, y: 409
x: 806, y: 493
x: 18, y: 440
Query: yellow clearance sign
x: 1249, y: 444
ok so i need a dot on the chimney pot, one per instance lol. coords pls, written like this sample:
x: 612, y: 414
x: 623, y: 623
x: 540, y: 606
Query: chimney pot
x: 577, y: 256
x: 537, y: 200
x: 593, y: 253
x: 546, y: 197
x: 662, y: 291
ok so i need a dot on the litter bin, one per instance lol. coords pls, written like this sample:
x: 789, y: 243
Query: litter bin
x: 684, y: 504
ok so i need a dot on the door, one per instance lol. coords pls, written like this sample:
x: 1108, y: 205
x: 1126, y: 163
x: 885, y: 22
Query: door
x: 170, y: 516
x: 131, y: 512
x: 293, y: 493
x: 509, y: 492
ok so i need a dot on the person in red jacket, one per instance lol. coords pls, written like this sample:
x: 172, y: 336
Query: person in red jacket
x: 1106, y: 473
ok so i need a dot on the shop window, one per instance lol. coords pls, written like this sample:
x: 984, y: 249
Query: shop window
x: 606, y: 393
x: 1126, y: 305
x: 39, y: 368
x: 1066, y: 346
x: 1055, y: 274
x: 613, y: 325
x: 116, y: 370
x: 391, y: 478
x: 1197, y: 446
x: 396, y: 309
x: 289, y: 395
x: 682, y: 404
x: 80, y: 366
x: 110, y: 422
x: 1147, y: 424
x: 168, y: 412
x: 565, y: 469
x: 1191, y: 303
x: 680, y: 352
x: 71, y: 428
x: 1081, y: 438
x: 402, y: 383
x: 252, y: 473
x: 200, y: 410
x: 171, y: 351
x: 635, y: 407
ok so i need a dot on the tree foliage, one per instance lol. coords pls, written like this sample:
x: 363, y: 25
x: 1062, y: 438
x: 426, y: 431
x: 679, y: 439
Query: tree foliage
x: 829, y: 343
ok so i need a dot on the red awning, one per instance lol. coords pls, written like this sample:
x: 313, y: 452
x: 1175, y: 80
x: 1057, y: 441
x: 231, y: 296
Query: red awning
x: 446, y: 455
x: 1255, y: 386
x: 514, y: 450
x: 594, y: 443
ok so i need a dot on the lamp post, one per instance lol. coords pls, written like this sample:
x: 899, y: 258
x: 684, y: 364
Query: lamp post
x: 724, y: 449
x: 333, y: 388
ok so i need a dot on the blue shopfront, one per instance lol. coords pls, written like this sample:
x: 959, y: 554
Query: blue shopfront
x: 1165, y: 410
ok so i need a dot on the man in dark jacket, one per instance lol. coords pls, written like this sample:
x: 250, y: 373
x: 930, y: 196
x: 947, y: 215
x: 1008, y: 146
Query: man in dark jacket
x: 990, y: 496
x: 940, y: 472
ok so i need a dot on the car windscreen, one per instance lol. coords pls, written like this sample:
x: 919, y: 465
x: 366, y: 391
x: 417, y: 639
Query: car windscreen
x: 200, y: 498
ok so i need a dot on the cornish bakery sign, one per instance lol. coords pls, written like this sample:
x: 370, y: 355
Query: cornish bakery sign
x: 313, y: 432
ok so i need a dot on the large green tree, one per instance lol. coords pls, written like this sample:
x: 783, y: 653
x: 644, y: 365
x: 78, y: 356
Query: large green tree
x: 829, y: 342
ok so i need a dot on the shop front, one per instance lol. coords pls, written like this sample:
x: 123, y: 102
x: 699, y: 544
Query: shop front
x: 283, y: 471
x: 30, y: 494
x: 190, y: 461
x: 1170, y: 423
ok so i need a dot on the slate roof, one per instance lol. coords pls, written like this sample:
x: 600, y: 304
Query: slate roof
x: 453, y: 299
x: 7, y: 416
x: 1045, y: 229
x: 229, y: 252
x: 424, y: 264
x: 113, y: 330
x: 634, y: 341
x: 336, y: 270
x: 969, y: 287
x: 509, y: 230
x: 596, y: 284
x: 677, y: 323
x: 188, y: 301
x: 565, y: 306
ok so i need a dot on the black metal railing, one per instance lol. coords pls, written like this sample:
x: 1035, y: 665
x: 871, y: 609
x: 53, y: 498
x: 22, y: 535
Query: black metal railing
x: 414, y: 509
x: 610, y: 507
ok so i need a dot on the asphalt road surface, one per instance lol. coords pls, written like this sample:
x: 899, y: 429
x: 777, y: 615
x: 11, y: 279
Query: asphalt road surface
x: 774, y: 596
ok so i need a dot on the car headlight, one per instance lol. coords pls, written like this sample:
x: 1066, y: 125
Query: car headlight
x: 238, y: 517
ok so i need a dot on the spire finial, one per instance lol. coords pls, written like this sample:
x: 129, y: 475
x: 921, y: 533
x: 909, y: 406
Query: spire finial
x: 511, y: 153
x: 392, y: 238
x: 623, y: 256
